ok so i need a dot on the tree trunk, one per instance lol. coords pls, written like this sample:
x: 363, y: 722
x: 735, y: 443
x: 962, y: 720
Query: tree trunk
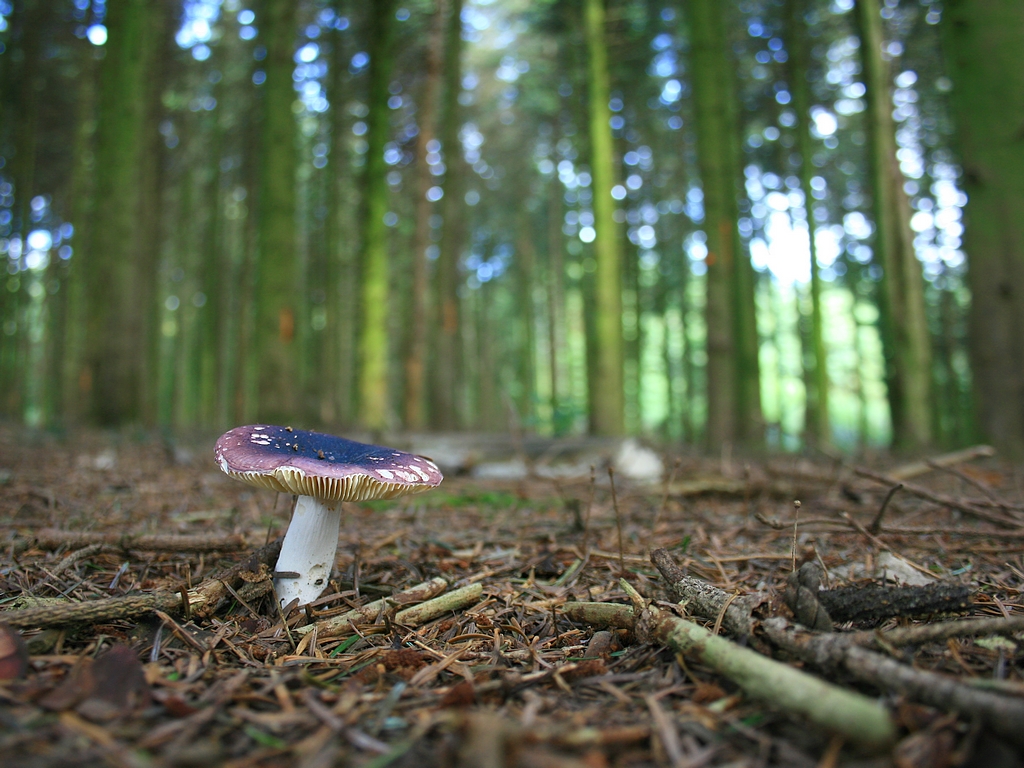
x: 904, y: 325
x: 276, y: 282
x: 374, y: 411
x: 817, y: 420
x: 711, y: 64
x: 983, y: 41
x: 525, y: 262
x: 607, y: 400
x: 339, y: 331
x: 447, y: 379
x: 28, y: 80
x: 556, y: 304
x: 426, y: 117
x: 115, y: 341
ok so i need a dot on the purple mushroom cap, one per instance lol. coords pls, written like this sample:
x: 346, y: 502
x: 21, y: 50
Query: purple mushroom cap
x: 322, y: 466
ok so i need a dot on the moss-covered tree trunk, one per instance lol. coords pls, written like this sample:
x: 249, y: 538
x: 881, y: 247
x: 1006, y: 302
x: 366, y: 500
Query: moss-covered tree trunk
x: 114, y: 338
x: 983, y: 43
x: 710, y: 67
x: 818, y: 426
x: 607, y: 400
x: 905, y: 338
x: 446, y: 380
x: 276, y: 361
x: 426, y: 118
x: 373, y: 257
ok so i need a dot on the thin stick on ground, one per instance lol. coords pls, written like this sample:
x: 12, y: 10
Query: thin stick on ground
x: 876, y: 524
x: 618, y: 519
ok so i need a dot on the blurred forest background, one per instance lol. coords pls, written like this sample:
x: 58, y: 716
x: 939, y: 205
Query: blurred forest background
x: 775, y: 223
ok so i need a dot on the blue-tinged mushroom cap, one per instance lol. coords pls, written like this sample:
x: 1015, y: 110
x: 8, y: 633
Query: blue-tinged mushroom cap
x: 322, y: 466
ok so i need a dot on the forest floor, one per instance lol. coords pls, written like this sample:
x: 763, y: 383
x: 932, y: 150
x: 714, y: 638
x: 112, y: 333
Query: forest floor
x: 517, y: 668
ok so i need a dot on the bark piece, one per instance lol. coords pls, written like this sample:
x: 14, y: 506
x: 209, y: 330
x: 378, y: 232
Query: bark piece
x: 875, y: 603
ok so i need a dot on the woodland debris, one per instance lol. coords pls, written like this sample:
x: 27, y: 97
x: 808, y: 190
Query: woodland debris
x: 917, y: 468
x: 1003, y: 714
x: 942, y: 499
x: 831, y: 650
x: 802, y: 597
x: 818, y: 608
x: 203, y: 600
x: 861, y: 720
x: 369, y: 613
x: 698, y: 597
x: 875, y: 602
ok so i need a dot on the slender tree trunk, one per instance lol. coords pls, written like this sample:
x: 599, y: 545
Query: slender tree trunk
x: 374, y: 401
x: 607, y: 406
x: 341, y: 283
x: 426, y: 118
x: 74, y: 373
x: 556, y: 303
x: 526, y: 280
x: 905, y: 331
x: 711, y: 112
x: 28, y: 23
x: 114, y: 341
x: 447, y: 379
x: 161, y: 20
x: 211, y: 299
x: 818, y: 425
x: 276, y: 284
x: 983, y: 43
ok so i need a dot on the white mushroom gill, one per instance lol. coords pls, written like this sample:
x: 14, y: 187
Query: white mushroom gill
x: 309, y: 548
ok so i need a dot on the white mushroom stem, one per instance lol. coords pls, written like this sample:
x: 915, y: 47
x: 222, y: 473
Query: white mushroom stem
x: 309, y: 547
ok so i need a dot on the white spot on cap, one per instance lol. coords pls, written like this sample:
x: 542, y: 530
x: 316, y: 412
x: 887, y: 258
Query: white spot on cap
x: 387, y: 474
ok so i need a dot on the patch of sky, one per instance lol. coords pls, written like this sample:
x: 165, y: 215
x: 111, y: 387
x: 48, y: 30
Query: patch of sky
x: 96, y: 34
x: 359, y: 62
x: 197, y: 20
x: 664, y: 64
x: 671, y: 91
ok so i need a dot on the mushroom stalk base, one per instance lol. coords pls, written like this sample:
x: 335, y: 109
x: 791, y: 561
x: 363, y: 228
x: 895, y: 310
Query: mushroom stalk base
x: 309, y: 548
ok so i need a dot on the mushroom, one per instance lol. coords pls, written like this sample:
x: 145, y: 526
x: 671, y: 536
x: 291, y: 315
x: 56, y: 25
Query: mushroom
x: 323, y: 471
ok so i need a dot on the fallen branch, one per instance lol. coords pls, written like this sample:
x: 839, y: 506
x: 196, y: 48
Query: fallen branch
x: 51, y: 538
x: 432, y: 609
x: 202, y: 600
x: 916, y: 468
x: 939, y: 632
x: 93, y: 611
x: 861, y: 720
